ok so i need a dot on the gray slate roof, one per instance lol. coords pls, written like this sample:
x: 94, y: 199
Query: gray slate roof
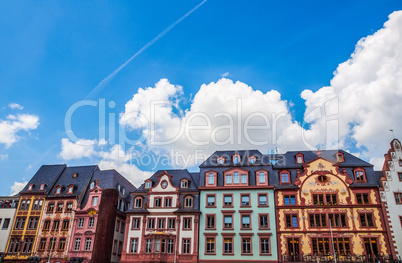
x: 48, y: 175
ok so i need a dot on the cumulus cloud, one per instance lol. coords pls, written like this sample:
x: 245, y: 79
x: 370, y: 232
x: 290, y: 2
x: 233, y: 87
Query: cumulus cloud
x: 17, y: 187
x: 368, y: 87
x: 15, y: 106
x: 15, y: 123
x: 76, y: 150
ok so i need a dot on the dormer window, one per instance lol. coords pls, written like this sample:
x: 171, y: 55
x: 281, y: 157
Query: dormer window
x: 42, y: 187
x: 236, y: 177
x: 138, y: 202
x: 30, y: 187
x: 148, y: 184
x: 360, y: 175
x: 70, y: 189
x: 210, y: 178
x: 236, y: 159
x: 339, y: 157
x: 262, y: 177
x: 284, y: 177
x: 58, y: 190
x: 184, y: 184
x: 123, y: 191
x: 252, y: 160
x: 118, y: 187
x: 188, y: 201
x: 220, y: 160
x: 92, y: 185
x: 299, y: 158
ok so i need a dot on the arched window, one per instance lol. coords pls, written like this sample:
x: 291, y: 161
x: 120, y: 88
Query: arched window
x: 92, y: 185
x: 210, y: 178
x: 360, y: 175
x: 299, y: 158
x: 339, y: 157
x: 284, y: 177
x: 236, y: 178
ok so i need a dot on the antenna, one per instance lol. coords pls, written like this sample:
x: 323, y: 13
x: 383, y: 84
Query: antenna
x: 391, y: 130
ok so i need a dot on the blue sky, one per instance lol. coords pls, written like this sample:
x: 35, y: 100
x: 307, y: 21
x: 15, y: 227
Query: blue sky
x: 54, y: 53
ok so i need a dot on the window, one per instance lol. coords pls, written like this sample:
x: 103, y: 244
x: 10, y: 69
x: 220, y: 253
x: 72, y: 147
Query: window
x: 58, y: 190
x: 244, y: 178
x: 70, y: 189
x: 30, y: 187
x: 291, y: 221
x: 252, y: 160
x: 172, y: 223
x: 170, y: 246
x: 339, y: 157
x: 62, y: 243
x: 264, y: 245
x: 88, y: 242
x: 161, y: 223
x: 35, y: 205
x: 342, y: 246
x: 245, y: 221
x: 42, y: 244
x: 186, y: 246
x: 148, y: 246
x: 221, y: 160
x: 318, y: 220
x: 246, y: 245
x: 33, y: 222
x: 370, y: 244
x: 236, y: 178
x: 59, y: 207
x: 50, y: 207
x: 184, y: 184
x: 228, y: 245
x: 299, y: 158
x: 20, y: 223
x: 210, y: 222
x: 136, y: 223
x: 46, y: 225
x: 211, y: 179
x: 148, y: 184
x: 168, y: 202
x: 42, y: 187
x: 262, y: 178
x: 360, y: 175
x: 40, y: 205
x: 187, y: 223
x: 321, y: 246
x: 327, y: 199
x: 228, y: 222
x: 91, y: 222
x: 245, y: 200
x: 262, y: 199
x: 227, y: 200
x: 77, y: 244
x: 81, y: 222
x: 400, y: 176
x: 337, y: 220
x: 188, y: 201
x: 66, y: 223
x: 22, y: 206
x: 158, y: 202
x: 228, y: 179
x: 290, y: 199
x: 210, y: 245
x: 134, y: 245
x: 151, y: 223
x: 56, y: 224
x: 27, y: 246
x: 211, y: 200
x: 236, y: 159
x: 366, y: 220
x: 6, y: 223
x: 285, y: 177
x: 264, y: 223
x: 94, y: 201
x: 138, y: 202
x: 92, y: 185
x: 398, y: 198
x: 69, y: 207
x: 52, y: 243
x: 362, y: 198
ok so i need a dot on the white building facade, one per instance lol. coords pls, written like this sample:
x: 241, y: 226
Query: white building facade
x: 8, y: 207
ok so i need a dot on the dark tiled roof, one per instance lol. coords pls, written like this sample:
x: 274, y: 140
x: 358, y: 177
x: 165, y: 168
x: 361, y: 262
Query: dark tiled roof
x: 80, y: 181
x: 212, y: 160
x: 177, y: 176
x: 48, y: 175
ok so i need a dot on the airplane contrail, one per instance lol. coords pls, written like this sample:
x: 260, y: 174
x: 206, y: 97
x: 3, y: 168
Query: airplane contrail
x: 147, y: 45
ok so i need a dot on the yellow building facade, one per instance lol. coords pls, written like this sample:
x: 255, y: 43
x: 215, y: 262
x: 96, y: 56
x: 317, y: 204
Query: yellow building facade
x: 330, y: 210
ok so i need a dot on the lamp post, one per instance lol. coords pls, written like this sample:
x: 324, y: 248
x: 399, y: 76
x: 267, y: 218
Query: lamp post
x: 332, y: 238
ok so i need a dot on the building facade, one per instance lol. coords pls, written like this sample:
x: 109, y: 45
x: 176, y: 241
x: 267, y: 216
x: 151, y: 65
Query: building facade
x: 391, y: 195
x: 328, y: 204
x: 23, y: 236
x: 163, y: 220
x: 237, y: 206
x: 8, y: 207
x: 98, y: 228
x: 62, y: 201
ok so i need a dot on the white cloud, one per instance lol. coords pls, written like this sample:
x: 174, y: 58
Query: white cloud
x: 17, y: 187
x: 226, y: 74
x: 3, y: 157
x: 15, y: 123
x: 76, y: 150
x: 14, y: 106
x: 368, y: 87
